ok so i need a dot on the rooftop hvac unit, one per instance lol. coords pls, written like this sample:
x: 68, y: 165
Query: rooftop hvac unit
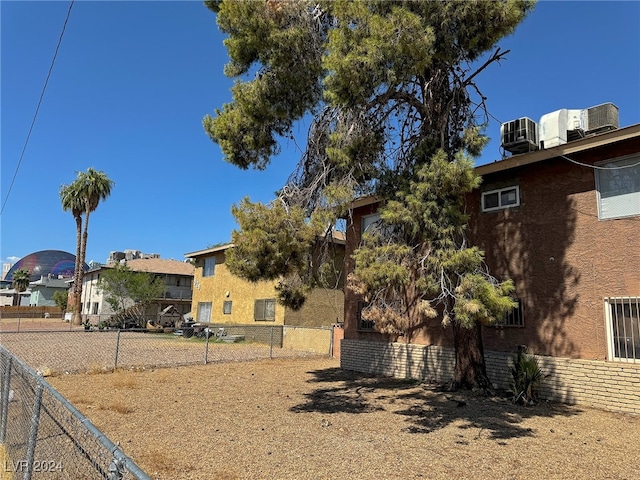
x: 602, y: 118
x: 519, y: 136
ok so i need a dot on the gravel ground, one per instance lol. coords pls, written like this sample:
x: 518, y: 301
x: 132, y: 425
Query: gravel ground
x: 305, y: 418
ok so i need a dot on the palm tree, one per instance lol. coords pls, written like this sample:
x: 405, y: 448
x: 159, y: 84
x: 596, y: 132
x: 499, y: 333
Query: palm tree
x: 72, y: 202
x: 83, y: 197
x: 21, y: 279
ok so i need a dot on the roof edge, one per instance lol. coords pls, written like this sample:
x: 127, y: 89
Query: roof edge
x: 587, y: 143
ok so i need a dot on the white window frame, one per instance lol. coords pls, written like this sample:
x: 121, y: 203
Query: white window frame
x: 499, y: 191
x: 613, y: 211
x: 203, y: 309
x: 632, y: 337
x: 368, y: 220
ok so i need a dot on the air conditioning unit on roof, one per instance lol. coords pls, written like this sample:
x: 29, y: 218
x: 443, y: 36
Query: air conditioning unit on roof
x: 519, y: 136
x: 602, y: 118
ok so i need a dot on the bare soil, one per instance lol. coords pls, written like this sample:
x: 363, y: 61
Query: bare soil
x: 305, y: 418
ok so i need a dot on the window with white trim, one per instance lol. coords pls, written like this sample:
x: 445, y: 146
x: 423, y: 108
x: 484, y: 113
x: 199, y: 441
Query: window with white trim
x: 618, y: 186
x: 623, y: 322
x: 204, y: 312
x: 501, y: 198
x: 368, y: 220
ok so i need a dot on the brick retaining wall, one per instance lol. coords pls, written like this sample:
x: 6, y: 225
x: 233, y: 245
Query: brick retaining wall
x: 610, y: 386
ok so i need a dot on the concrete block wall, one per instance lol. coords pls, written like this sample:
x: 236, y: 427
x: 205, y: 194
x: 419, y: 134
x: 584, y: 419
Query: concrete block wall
x: 610, y: 386
x: 308, y: 339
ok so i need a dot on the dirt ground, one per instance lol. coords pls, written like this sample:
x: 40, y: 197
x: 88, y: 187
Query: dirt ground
x: 307, y: 419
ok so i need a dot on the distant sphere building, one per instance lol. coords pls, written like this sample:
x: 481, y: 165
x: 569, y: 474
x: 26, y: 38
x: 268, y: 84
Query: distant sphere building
x: 46, y: 262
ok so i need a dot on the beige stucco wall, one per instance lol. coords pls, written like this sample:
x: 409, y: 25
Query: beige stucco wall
x: 307, y: 339
x: 223, y: 285
x: 323, y: 307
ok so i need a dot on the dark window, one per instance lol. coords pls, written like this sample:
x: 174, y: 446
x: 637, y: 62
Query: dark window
x: 364, y: 324
x: 501, y: 198
x: 514, y: 318
x: 226, y: 307
x: 624, y: 328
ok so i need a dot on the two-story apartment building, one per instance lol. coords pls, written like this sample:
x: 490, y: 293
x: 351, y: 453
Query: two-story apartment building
x: 564, y: 224
x: 220, y: 297
x: 177, y: 277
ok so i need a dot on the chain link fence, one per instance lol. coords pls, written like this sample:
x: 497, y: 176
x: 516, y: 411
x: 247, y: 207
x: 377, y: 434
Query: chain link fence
x: 42, y: 436
x: 93, y: 351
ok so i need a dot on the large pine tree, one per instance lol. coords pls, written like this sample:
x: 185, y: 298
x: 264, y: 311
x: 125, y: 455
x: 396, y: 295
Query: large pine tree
x: 396, y: 113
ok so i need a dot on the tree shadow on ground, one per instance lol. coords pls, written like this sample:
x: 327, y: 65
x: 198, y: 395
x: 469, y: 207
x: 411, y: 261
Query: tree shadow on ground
x: 427, y: 407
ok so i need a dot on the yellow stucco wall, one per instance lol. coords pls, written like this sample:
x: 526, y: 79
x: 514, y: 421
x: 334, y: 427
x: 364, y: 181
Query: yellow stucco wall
x: 323, y: 307
x: 223, y: 285
x: 316, y: 340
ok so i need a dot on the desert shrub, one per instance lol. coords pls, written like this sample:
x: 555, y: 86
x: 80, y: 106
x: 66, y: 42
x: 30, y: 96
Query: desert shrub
x: 526, y: 378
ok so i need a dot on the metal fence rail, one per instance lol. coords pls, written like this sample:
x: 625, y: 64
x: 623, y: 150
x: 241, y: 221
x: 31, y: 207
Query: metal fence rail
x: 57, y: 352
x: 43, y: 436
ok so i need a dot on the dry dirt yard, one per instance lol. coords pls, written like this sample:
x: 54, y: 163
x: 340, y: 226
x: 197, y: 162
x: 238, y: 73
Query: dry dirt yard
x: 307, y: 419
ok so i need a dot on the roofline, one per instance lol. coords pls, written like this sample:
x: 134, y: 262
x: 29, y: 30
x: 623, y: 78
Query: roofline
x: 575, y: 146
x: 200, y: 253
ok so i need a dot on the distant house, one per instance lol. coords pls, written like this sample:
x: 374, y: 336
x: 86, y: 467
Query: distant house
x: 564, y: 224
x: 219, y: 297
x: 177, y: 277
x: 42, y: 290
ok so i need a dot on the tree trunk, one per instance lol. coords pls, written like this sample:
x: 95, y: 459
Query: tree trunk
x: 77, y: 305
x: 470, y: 370
x: 77, y: 320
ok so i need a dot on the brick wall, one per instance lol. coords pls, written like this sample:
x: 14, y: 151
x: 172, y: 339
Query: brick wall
x: 610, y: 386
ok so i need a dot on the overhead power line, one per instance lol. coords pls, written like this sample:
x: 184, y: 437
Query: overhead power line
x: 35, y: 115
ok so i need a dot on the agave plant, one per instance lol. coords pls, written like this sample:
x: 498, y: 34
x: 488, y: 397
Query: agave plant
x: 526, y: 378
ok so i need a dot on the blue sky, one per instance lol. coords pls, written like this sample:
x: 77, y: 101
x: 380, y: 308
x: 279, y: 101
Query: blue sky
x: 133, y: 80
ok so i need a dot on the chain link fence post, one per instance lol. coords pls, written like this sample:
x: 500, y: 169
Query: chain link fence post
x: 115, y: 362
x: 6, y: 393
x: 33, y: 432
x: 206, y: 346
x: 271, y: 344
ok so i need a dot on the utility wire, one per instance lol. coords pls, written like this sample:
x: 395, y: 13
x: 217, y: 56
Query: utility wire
x: 35, y: 115
x: 598, y: 167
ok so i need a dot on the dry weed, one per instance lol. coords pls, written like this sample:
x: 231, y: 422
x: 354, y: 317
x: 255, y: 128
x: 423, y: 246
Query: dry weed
x: 123, y: 380
x: 97, y: 368
x: 118, y: 406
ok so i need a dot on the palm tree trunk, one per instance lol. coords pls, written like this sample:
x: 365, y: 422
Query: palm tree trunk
x: 76, y: 301
x: 83, y: 253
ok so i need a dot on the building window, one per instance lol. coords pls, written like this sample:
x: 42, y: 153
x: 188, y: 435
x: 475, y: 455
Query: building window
x: 623, y: 335
x: 618, y: 185
x: 95, y: 308
x: 226, y: 307
x: 367, y: 325
x: 500, y: 198
x: 368, y: 220
x: 514, y: 318
x: 264, y: 310
x: 209, y: 267
x: 204, y: 312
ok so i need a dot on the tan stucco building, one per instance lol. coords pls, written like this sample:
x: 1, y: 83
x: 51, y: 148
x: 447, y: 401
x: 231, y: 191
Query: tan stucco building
x: 220, y: 297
